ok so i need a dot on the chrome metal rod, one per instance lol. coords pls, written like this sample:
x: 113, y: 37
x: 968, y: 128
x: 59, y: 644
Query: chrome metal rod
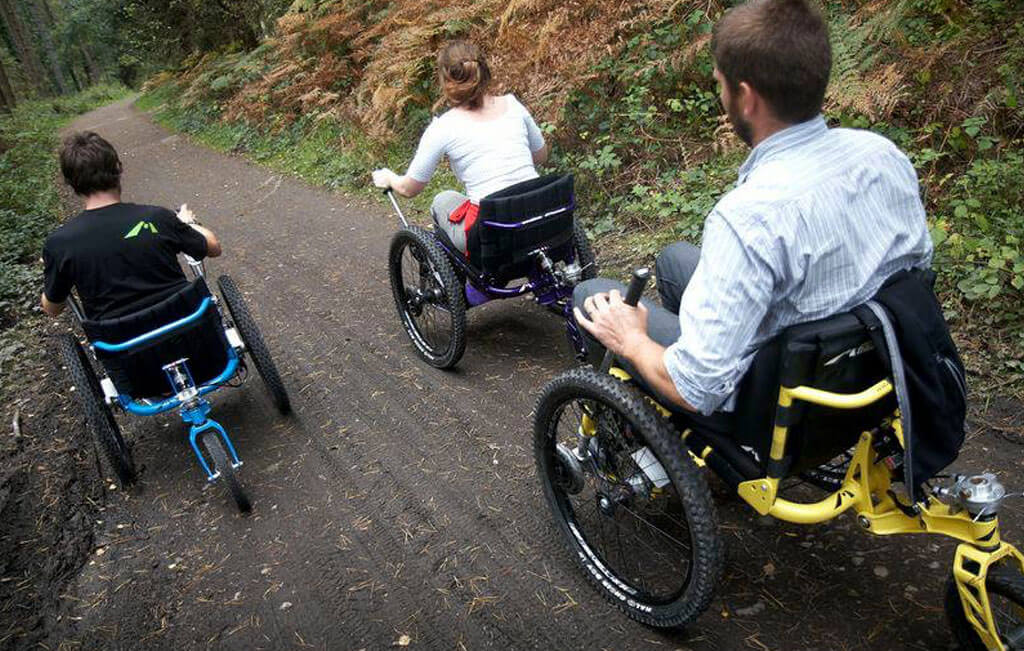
x: 394, y: 202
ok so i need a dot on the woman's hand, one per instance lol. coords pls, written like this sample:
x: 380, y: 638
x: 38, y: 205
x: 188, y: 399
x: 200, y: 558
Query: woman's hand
x: 405, y: 186
x: 383, y: 178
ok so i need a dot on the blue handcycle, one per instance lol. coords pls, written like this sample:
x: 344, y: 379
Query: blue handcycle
x: 168, y: 356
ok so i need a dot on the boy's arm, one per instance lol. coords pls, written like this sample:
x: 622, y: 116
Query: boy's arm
x: 213, y: 248
x: 50, y: 307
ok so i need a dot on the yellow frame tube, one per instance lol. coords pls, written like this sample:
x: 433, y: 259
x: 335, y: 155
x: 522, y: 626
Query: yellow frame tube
x: 865, y: 489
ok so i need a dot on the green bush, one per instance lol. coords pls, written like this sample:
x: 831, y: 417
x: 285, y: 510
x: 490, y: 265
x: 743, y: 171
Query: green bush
x: 28, y: 176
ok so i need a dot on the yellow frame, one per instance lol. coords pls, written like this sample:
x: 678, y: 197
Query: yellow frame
x: 865, y: 490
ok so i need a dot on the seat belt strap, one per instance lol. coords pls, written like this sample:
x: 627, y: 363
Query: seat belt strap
x: 902, y: 397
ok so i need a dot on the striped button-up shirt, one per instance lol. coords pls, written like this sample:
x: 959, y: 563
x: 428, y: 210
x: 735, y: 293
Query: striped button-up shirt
x: 819, y: 219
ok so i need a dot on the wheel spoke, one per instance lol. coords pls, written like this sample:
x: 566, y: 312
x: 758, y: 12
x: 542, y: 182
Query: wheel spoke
x: 647, y: 546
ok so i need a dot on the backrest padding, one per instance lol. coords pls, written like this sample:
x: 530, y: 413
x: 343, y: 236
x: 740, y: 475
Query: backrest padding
x: 138, y: 372
x: 505, y: 253
x: 833, y: 354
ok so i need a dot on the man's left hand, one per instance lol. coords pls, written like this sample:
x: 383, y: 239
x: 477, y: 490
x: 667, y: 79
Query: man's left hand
x: 619, y: 327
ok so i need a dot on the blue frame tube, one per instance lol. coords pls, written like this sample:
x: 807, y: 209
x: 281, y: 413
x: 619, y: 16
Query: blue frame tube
x: 194, y: 433
x: 140, y: 409
x: 153, y: 334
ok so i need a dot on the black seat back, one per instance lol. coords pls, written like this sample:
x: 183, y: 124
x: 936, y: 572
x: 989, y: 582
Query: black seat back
x: 833, y: 354
x: 138, y: 372
x: 542, y: 208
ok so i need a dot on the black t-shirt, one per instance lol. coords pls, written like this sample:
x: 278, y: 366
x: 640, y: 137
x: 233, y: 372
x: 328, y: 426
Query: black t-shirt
x: 120, y: 258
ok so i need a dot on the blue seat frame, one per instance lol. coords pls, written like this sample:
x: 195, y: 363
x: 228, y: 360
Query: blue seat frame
x: 195, y: 409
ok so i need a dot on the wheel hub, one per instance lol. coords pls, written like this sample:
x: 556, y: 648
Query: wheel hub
x: 611, y: 498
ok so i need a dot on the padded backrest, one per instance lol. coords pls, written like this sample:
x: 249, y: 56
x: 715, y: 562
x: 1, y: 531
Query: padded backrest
x: 539, y: 214
x: 833, y: 354
x: 138, y: 372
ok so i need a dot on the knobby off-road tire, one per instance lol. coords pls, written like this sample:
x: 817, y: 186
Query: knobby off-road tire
x: 98, y: 416
x: 648, y: 429
x: 254, y: 343
x: 1005, y: 585
x: 214, y: 447
x: 437, y: 328
x: 584, y: 252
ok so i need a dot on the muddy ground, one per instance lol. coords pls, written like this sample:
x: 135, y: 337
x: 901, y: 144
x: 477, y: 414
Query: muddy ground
x: 399, y: 504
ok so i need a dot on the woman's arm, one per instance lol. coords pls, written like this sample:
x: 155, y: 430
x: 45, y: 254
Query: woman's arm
x: 406, y: 186
x: 541, y: 155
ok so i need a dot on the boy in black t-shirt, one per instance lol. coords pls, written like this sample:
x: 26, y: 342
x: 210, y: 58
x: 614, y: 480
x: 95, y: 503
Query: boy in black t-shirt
x: 120, y: 257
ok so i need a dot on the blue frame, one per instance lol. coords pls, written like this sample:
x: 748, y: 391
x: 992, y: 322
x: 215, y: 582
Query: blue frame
x: 195, y: 415
x: 153, y: 334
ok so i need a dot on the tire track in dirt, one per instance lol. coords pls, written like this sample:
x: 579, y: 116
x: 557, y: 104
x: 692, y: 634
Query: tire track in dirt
x: 401, y: 500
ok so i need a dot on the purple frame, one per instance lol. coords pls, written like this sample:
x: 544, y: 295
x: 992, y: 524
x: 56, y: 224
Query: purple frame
x: 480, y: 288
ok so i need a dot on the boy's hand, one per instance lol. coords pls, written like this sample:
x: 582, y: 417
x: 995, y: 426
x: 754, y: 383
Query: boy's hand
x: 186, y: 215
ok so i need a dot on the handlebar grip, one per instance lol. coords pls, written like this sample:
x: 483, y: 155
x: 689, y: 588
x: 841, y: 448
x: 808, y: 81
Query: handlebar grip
x: 636, y: 286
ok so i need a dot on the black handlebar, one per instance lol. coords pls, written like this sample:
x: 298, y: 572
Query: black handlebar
x: 633, y: 294
x: 636, y: 286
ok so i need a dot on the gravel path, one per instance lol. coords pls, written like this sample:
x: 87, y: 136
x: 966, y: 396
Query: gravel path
x: 399, y: 504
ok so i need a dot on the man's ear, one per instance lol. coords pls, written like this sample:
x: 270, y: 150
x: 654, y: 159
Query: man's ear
x: 747, y: 99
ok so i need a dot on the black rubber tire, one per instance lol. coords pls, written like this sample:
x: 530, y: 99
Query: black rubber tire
x: 689, y: 483
x: 830, y: 475
x: 98, y: 416
x: 1004, y: 580
x: 584, y: 252
x: 214, y: 447
x: 454, y: 298
x: 254, y: 343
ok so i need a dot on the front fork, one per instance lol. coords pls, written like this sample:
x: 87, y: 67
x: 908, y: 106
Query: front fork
x: 194, y: 433
x: 970, y: 571
x: 195, y: 411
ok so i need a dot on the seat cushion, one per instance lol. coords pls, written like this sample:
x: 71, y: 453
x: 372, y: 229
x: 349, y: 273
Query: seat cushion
x: 138, y: 372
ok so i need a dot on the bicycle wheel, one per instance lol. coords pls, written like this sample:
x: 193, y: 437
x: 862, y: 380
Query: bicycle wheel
x: 252, y: 337
x: 584, y: 252
x: 214, y: 447
x: 431, y: 301
x: 1005, y: 585
x: 635, y: 511
x: 98, y: 416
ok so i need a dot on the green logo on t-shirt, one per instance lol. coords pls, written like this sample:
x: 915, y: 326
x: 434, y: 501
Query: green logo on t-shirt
x: 140, y: 227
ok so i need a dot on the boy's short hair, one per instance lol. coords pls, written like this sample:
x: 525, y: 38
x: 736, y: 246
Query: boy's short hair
x: 781, y: 48
x: 89, y: 163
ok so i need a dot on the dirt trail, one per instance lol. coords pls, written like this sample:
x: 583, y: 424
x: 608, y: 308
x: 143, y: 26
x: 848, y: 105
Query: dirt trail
x: 400, y: 500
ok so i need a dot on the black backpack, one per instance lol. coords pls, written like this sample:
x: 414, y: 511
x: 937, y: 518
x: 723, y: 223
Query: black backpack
x: 934, y: 404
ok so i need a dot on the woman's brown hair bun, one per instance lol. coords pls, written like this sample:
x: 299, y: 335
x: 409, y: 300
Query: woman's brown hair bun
x: 463, y: 73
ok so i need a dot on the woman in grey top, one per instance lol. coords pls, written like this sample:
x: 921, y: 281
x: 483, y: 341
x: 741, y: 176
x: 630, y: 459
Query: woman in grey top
x: 491, y: 142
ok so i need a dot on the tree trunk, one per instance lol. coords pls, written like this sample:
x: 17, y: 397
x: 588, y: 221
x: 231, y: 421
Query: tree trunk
x: 7, y: 100
x: 46, y: 36
x: 91, y: 71
x: 24, y: 46
x: 74, y: 79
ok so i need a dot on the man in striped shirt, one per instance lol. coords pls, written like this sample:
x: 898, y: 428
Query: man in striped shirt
x: 818, y: 220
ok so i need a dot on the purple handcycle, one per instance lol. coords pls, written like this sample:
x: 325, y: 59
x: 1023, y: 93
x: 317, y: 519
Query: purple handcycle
x: 525, y: 241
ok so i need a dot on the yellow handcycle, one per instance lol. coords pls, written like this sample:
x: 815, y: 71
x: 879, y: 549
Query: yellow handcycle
x: 624, y: 477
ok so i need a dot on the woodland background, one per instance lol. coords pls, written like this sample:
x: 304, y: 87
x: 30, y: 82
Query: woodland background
x: 329, y: 89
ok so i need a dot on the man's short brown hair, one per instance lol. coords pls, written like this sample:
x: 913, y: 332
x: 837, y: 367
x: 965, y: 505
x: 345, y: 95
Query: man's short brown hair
x: 780, y: 48
x: 90, y: 163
